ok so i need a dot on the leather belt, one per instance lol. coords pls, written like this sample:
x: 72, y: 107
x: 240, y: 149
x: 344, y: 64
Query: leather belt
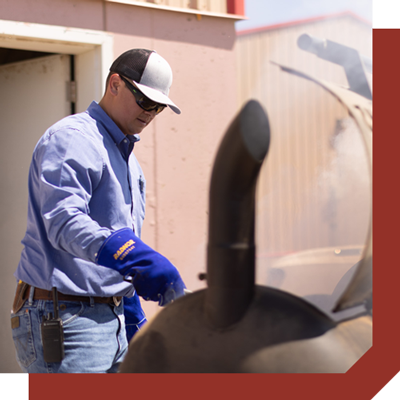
x: 41, y: 294
x: 23, y: 290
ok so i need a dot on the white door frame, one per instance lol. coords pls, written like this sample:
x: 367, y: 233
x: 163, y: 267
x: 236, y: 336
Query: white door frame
x: 93, y: 51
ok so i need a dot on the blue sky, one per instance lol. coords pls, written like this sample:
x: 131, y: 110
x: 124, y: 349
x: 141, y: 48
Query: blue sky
x: 268, y: 12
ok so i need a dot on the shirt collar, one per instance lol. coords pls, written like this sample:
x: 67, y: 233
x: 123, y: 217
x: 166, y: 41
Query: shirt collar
x: 125, y: 146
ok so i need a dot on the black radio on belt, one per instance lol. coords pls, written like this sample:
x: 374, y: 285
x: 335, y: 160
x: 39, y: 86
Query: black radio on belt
x: 52, y: 334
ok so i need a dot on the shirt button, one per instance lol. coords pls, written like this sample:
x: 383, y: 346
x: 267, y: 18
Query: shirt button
x: 134, y: 218
x: 125, y: 140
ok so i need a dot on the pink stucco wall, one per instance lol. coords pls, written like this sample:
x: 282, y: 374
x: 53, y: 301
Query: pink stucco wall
x: 87, y: 14
x: 177, y: 151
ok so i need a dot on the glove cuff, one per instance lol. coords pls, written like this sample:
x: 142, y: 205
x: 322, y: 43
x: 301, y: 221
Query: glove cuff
x: 115, y: 248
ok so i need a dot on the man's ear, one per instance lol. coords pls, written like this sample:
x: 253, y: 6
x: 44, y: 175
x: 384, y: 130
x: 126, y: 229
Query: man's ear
x: 114, y: 84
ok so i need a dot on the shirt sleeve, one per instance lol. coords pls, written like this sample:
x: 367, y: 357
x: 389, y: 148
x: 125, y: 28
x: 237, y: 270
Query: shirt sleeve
x: 66, y: 169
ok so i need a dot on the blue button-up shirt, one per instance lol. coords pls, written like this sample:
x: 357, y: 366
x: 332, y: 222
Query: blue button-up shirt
x: 84, y: 183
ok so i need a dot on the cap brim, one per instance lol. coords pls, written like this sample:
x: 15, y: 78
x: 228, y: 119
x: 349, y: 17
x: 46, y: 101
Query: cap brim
x: 158, y: 97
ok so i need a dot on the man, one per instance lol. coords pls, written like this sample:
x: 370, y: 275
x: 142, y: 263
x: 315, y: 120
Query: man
x: 82, y: 245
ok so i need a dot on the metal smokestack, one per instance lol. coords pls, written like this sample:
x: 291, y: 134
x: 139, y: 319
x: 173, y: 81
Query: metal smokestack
x: 231, y: 247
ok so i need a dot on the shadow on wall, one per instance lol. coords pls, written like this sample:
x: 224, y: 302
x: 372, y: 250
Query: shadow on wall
x: 170, y: 26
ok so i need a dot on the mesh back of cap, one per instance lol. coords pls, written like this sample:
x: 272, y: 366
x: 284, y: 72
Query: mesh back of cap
x: 131, y: 63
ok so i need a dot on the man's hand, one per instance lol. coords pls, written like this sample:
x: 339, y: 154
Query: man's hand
x: 152, y: 275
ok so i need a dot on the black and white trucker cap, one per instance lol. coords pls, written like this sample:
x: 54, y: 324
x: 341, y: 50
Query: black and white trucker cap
x: 149, y: 72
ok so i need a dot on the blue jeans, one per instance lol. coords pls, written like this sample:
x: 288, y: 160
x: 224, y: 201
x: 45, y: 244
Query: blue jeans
x: 94, y: 337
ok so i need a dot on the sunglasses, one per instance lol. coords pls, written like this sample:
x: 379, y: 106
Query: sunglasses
x: 143, y: 101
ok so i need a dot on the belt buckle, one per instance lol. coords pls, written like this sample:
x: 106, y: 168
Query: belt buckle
x: 117, y: 300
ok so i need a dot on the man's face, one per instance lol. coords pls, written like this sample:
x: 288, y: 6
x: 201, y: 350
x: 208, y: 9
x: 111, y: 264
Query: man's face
x: 127, y: 114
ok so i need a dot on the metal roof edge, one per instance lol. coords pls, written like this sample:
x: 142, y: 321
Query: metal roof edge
x: 197, y: 12
x: 287, y: 24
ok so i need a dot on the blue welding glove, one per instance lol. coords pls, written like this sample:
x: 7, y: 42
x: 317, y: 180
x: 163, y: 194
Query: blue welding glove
x: 152, y: 275
x: 135, y: 317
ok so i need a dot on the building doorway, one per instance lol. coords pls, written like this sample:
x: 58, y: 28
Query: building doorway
x: 34, y: 76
